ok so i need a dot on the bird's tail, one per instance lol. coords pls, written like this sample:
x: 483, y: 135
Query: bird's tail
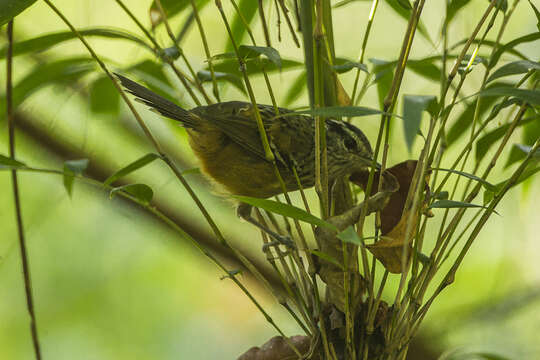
x: 157, y: 102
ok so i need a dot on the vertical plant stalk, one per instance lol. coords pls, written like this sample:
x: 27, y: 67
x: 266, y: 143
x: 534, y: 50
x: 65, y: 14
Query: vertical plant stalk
x: 263, y: 23
x: 16, y: 196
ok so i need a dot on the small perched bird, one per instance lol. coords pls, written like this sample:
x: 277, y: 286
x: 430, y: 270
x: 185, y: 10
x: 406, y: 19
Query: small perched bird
x: 226, y: 139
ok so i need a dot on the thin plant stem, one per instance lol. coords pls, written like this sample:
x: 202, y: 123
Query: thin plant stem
x: 16, y: 196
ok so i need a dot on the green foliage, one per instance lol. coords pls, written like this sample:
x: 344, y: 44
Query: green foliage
x: 72, y: 168
x: 140, y: 192
x: 128, y: 169
x: 413, y: 107
x: 11, y: 8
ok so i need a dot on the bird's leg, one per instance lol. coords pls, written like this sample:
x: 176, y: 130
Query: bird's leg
x: 244, y: 211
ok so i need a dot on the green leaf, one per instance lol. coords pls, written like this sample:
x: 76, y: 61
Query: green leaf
x: 9, y: 163
x: 72, y: 168
x: 248, y: 9
x: 340, y: 111
x: 403, y: 9
x: 344, y: 65
x: 519, y: 152
x: 206, y: 76
x: 171, y: 8
x: 484, y: 183
x: 537, y: 13
x: 413, y: 106
x: 251, y: 52
x: 11, y: 8
x: 327, y: 257
x: 510, y: 45
x: 349, y: 235
x: 53, y: 72
x: 513, y: 68
x: 47, y: 41
x: 136, y: 165
x: 443, y: 195
x: 425, y: 68
x: 383, y: 77
x: 489, y: 195
x: 104, y: 97
x: 193, y: 170
x: 295, y: 90
x: 153, y: 76
x: 230, y: 66
x: 451, y: 204
x: 486, y: 142
x: 141, y: 192
x: 285, y: 210
x: 530, y: 96
x: 454, y: 7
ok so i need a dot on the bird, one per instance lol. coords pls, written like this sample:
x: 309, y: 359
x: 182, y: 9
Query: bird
x: 225, y: 138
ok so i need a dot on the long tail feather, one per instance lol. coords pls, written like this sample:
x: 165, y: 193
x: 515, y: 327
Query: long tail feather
x: 157, y: 102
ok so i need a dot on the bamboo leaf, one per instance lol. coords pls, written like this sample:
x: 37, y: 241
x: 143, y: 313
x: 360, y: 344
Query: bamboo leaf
x: 251, y: 51
x: 344, y: 65
x: 72, y: 168
x: 47, y: 41
x: 510, y: 45
x: 327, y: 257
x: 206, y: 76
x: 171, y: 8
x: 340, y: 111
x: 519, y: 152
x: 11, y: 8
x: 285, y: 210
x: 104, y: 98
x: 9, y: 163
x: 403, y: 9
x: 140, y: 192
x: 530, y: 96
x: 349, y: 235
x: 136, y: 165
x: 537, y: 13
x: 413, y: 106
x: 484, y: 183
x: 451, y: 204
x: 454, y: 7
x: 513, y: 68
x: 230, y: 66
x: 295, y: 90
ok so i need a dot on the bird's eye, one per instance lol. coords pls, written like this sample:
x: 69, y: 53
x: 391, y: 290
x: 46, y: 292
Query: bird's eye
x: 350, y: 144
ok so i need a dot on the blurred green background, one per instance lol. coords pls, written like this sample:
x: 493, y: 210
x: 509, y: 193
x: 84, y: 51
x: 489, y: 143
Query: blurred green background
x: 111, y: 282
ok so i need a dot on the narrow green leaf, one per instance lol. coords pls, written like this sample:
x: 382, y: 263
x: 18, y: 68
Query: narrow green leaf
x: 72, y: 168
x: 519, y: 152
x: 206, y: 76
x: 383, y: 70
x: 104, y: 97
x: 11, y: 8
x: 153, y: 76
x: 484, y: 183
x: 413, y: 106
x: 510, y: 46
x: 141, y: 192
x: 451, y: 204
x: 537, y: 13
x: 9, y: 163
x: 513, y: 68
x: 530, y: 96
x: 489, y: 195
x: 403, y: 9
x: 349, y: 235
x: 285, y: 210
x: 327, y: 257
x: 454, y: 7
x: 340, y: 111
x: 248, y: 9
x: 344, y: 65
x: 171, y: 8
x: 443, y: 195
x: 137, y: 164
x: 47, y: 41
x: 230, y: 66
x: 251, y: 51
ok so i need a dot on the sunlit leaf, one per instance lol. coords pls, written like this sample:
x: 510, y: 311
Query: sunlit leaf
x: 327, y: 257
x: 530, y: 96
x: 9, y: 163
x: 136, y: 165
x: 510, y: 45
x: 285, y: 210
x: 484, y: 183
x: 251, y: 51
x: 340, y: 111
x: 104, y: 97
x: 47, y: 41
x: 11, y: 8
x: 451, y: 204
x: 72, y: 168
x: 513, y: 68
x: 206, y: 76
x: 349, y: 235
x: 141, y: 192
x: 413, y: 106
